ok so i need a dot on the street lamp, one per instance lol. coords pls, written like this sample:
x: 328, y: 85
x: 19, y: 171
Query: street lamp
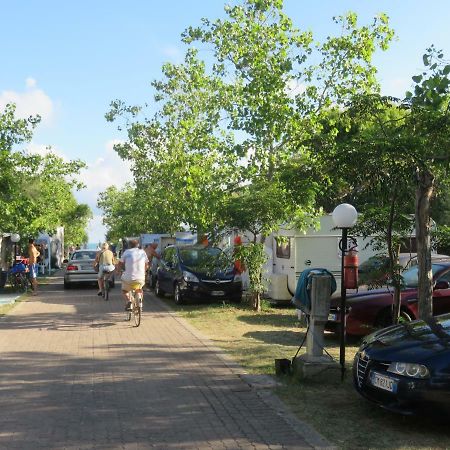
x: 344, y: 217
x: 15, y: 238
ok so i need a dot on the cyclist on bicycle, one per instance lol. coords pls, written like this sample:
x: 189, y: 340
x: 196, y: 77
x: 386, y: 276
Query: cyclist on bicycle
x: 134, y: 263
x: 105, y: 261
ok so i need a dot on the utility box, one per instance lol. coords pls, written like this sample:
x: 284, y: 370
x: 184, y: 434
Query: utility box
x: 314, y: 365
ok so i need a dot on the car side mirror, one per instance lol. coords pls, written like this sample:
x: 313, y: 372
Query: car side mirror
x: 442, y: 285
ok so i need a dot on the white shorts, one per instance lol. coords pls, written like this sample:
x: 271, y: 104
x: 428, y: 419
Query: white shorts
x: 105, y: 268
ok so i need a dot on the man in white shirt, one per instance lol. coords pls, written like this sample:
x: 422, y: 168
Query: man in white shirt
x: 134, y: 263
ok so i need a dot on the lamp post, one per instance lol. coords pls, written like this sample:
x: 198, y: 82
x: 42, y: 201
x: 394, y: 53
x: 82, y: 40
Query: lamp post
x: 344, y: 217
x: 15, y: 238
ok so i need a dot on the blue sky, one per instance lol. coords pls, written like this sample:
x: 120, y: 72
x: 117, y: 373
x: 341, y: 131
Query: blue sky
x: 68, y: 60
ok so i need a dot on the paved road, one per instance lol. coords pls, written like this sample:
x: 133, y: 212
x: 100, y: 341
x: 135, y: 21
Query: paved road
x: 75, y: 375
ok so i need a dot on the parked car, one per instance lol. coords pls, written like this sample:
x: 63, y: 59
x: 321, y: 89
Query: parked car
x: 374, y: 272
x: 406, y: 368
x: 150, y: 276
x: 80, y: 269
x: 372, y: 309
x: 197, y: 273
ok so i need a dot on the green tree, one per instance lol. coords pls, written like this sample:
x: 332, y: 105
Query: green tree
x: 428, y: 128
x: 251, y: 112
x: 36, y: 192
x: 407, y: 141
x: 121, y: 215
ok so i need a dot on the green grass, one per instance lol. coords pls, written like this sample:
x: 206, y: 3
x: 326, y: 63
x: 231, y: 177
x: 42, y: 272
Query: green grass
x: 334, y: 408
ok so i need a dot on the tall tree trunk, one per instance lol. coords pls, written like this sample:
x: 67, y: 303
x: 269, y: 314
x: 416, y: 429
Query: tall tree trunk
x: 397, y: 293
x: 424, y: 191
x: 256, y: 301
x: 393, y: 261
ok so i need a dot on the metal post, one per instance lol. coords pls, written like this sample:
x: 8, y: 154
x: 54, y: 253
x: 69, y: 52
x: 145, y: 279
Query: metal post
x: 343, y: 305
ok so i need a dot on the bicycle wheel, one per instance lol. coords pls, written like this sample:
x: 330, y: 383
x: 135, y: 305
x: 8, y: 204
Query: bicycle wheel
x: 106, y: 288
x: 136, y: 308
x: 19, y: 283
x: 25, y: 283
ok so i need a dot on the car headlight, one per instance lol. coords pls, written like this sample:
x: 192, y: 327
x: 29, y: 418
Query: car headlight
x: 238, y: 277
x: 189, y: 277
x: 409, y: 370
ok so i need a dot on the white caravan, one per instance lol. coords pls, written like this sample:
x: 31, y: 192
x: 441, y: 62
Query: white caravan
x: 312, y: 249
x: 163, y: 240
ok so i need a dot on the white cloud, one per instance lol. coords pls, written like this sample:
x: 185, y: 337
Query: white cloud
x: 397, y: 86
x: 108, y: 169
x: 41, y: 149
x: 30, y: 82
x: 32, y: 101
x: 172, y: 52
x: 96, y: 229
x: 294, y: 87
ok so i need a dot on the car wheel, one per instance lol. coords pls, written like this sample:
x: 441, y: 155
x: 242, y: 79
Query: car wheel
x: 178, y: 297
x: 158, y: 291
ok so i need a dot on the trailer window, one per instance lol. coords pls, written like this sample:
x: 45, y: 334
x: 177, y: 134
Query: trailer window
x: 283, y: 248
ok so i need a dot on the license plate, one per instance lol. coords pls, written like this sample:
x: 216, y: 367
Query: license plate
x: 383, y: 382
x: 332, y: 317
x: 86, y: 267
x: 217, y: 293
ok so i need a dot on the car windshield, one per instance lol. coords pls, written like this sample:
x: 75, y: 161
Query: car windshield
x: 84, y: 255
x: 411, y: 276
x: 201, y: 257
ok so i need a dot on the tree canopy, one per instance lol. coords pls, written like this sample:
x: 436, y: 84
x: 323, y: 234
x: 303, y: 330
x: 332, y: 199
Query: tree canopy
x: 36, y: 192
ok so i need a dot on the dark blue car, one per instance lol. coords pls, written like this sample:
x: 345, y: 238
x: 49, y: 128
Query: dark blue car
x: 198, y: 273
x: 406, y: 368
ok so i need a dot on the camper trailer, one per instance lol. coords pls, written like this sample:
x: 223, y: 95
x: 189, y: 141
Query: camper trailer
x: 298, y: 251
x: 163, y: 240
x: 53, y: 247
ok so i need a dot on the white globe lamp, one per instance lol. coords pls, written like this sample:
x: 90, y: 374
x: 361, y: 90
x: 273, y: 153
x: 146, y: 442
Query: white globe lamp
x: 345, y: 216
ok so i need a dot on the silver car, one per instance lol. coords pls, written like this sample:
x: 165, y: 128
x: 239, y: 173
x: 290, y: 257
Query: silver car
x: 80, y: 269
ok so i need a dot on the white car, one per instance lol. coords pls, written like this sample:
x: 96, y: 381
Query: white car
x: 80, y: 269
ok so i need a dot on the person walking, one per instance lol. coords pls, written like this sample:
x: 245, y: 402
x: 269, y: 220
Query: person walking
x: 105, y: 261
x: 151, y: 252
x: 33, y: 254
x: 134, y: 263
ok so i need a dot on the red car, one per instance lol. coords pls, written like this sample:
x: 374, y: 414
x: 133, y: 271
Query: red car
x: 372, y: 309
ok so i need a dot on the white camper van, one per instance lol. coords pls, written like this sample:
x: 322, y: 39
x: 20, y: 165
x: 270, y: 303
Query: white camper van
x: 163, y: 240
x: 313, y: 249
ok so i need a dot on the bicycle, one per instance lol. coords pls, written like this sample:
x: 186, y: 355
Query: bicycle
x: 106, y: 284
x: 136, y: 299
x: 18, y: 277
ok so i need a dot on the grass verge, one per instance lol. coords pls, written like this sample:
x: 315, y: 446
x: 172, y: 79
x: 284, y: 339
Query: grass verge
x: 334, y: 409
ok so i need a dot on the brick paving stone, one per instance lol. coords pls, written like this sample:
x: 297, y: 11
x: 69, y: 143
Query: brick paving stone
x: 75, y: 375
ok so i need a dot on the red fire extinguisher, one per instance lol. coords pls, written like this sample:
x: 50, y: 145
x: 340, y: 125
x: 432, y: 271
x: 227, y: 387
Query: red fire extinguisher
x: 351, y: 269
